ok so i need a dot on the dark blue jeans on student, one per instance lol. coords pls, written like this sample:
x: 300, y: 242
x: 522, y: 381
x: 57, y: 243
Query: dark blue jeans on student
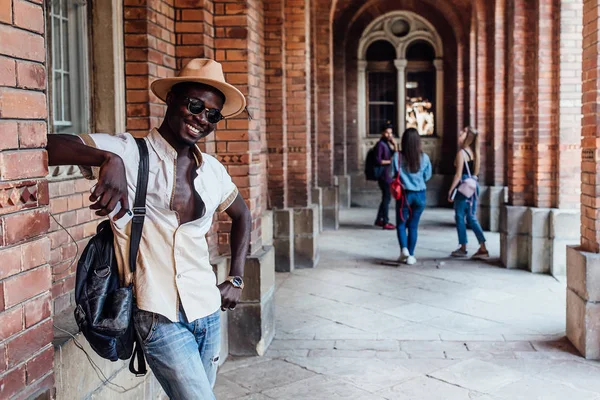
x: 467, y: 209
x: 384, y: 206
x: 416, y: 201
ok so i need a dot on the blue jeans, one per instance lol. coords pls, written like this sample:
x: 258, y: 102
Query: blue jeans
x: 416, y: 201
x: 384, y: 206
x: 467, y: 208
x: 184, y: 356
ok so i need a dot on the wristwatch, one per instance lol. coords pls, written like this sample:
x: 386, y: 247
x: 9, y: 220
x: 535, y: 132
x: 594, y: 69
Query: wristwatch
x: 236, y: 281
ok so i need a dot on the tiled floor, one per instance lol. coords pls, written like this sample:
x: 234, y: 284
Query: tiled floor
x: 360, y: 326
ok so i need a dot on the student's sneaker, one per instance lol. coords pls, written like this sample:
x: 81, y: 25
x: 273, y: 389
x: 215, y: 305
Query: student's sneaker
x: 404, y: 255
x: 411, y: 260
x: 459, y: 253
x: 481, y: 255
x: 379, y: 223
x: 389, y: 227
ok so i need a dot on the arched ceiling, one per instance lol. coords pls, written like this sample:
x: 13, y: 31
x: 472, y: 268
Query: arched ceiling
x: 344, y: 13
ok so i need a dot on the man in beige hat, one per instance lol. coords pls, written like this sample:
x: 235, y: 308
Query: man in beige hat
x: 177, y: 317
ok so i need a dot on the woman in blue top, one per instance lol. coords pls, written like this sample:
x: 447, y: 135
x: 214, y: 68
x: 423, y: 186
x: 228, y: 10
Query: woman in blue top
x: 415, y: 170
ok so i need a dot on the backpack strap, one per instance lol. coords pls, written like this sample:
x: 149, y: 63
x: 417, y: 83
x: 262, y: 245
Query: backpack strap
x: 139, y: 206
x: 137, y: 225
x: 466, y: 163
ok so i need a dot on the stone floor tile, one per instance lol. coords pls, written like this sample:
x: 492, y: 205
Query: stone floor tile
x: 233, y: 363
x: 417, y: 312
x: 284, y: 353
x: 541, y: 389
x: 226, y: 389
x: 433, y: 354
x: 320, y: 388
x: 499, y: 346
x: 270, y: 375
x: 424, y: 388
x: 378, y: 345
x: 417, y: 346
x: 343, y: 353
x: 254, y: 396
x: 396, y: 355
x: 301, y: 344
x: 574, y: 373
x: 481, y: 376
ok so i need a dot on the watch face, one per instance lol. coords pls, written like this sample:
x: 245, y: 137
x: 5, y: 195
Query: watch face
x: 237, y: 281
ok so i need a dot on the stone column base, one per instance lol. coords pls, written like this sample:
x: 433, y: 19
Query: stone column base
x: 491, y: 200
x: 344, y: 189
x: 583, y: 301
x: 317, y: 200
x: 283, y: 239
x: 306, y: 235
x: 251, y: 325
x: 536, y: 238
x: 330, y: 210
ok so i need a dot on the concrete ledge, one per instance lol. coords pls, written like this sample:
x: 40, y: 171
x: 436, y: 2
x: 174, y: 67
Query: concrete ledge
x: 330, y: 208
x: 536, y: 239
x: 317, y: 201
x: 252, y: 324
x: 283, y: 240
x: 267, y: 221
x: 344, y: 189
x: 306, y: 234
x: 75, y: 378
x: 583, y: 325
x: 514, y: 246
x: 221, y: 269
x: 491, y: 200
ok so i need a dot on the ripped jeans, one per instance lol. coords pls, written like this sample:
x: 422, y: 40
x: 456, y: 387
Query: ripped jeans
x: 184, y: 356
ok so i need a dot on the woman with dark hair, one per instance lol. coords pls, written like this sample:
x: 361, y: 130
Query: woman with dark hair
x: 467, y: 168
x: 414, y: 167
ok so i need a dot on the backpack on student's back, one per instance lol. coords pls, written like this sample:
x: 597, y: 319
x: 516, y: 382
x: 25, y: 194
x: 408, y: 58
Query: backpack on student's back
x: 373, y: 171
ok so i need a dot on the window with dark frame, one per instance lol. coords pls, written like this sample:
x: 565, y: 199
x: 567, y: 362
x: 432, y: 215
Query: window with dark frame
x: 68, y: 54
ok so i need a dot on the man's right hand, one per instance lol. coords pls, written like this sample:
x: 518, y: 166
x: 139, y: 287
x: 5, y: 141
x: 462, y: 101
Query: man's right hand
x: 111, y: 188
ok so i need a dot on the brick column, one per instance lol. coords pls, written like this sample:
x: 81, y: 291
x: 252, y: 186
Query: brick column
x: 521, y: 127
x: 583, y: 263
x: 149, y: 28
x: 324, y: 110
x: 500, y: 94
x: 299, y: 134
x: 241, y: 147
x: 26, y: 352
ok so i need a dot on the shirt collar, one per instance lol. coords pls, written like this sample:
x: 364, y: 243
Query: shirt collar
x: 164, y: 150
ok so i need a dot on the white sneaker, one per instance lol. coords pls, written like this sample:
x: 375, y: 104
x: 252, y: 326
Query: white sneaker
x: 411, y: 260
x: 404, y: 255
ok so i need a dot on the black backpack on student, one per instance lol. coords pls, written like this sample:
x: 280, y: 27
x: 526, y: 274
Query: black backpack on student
x: 373, y: 171
x: 104, y: 311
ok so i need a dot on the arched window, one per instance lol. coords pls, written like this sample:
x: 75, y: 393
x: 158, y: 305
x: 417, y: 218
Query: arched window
x: 381, y: 86
x: 421, y: 87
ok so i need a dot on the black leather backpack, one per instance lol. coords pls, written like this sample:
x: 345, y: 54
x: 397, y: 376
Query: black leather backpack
x: 104, y: 311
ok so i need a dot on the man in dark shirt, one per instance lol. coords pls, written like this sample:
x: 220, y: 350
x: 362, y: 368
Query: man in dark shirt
x: 385, y: 151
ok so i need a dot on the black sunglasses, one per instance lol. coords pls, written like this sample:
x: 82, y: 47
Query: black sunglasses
x: 196, y: 106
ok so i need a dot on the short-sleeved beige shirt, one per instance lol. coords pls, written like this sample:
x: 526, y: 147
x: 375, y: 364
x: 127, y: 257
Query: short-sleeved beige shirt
x: 173, y: 261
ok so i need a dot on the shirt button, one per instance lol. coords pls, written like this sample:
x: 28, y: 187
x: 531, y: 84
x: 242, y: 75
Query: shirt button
x: 178, y: 276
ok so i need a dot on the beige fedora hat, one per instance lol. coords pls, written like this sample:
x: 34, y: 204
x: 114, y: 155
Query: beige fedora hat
x: 208, y: 72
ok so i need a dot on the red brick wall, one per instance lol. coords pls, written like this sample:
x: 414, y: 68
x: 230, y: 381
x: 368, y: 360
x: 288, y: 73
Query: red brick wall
x: 26, y: 352
x: 324, y: 102
x: 276, y: 104
x: 149, y: 27
x: 242, y: 144
x: 569, y: 112
x: 340, y: 155
x: 297, y: 62
x: 500, y: 83
x: 590, y: 143
x: 522, y: 101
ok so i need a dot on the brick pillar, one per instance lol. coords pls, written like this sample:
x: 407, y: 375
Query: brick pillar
x: 323, y: 58
x: 242, y: 145
x: 500, y: 94
x: 583, y: 263
x: 340, y: 146
x: 149, y: 28
x: 26, y: 352
x: 298, y: 93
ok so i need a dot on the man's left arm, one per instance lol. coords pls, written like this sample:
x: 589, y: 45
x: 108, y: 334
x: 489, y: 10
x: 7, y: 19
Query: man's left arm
x: 241, y: 222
